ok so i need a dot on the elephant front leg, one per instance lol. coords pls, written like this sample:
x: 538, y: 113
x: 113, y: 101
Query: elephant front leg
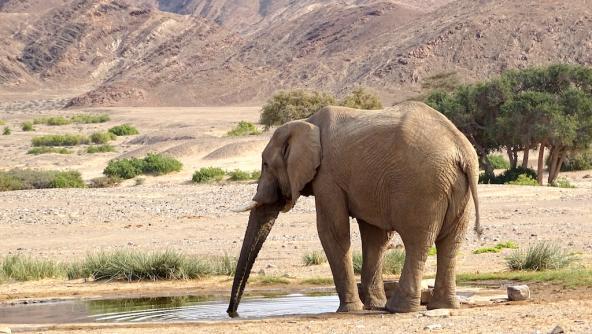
x: 333, y: 228
x: 374, y: 243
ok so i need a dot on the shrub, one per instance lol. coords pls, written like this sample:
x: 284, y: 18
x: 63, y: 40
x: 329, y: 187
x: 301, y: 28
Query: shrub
x: 208, y: 174
x: 562, y: 183
x: 27, y: 126
x: 393, y: 262
x: 90, y: 119
x: 540, y: 256
x: 100, y: 149
x: 25, y: 268
x: 124, y: 130
x: 360, y: 98
x: 240, y: 175
x: 105, y: 182
x: 54, y: 121
x: 498, y: 162
x: 314, y: 258
x: 357, y: 260
x: 20, y: 179
x: 156, y: 164
x: 508, y: 176
x: 256, y: 175
x: 524, y: 180
x: 48, y: 149
x: 6, y: 131
x: 102, y: 137
x: 60, y: 140
x: 579, y: 161
x: 286, y: 106
x: 244, y: 129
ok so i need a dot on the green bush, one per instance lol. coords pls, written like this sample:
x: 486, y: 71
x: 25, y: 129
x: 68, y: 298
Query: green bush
x: 100, y: 149
x: 498, y: 161
x: 508, y: 176
x: 286, y: 106
x: 156, y: 164
x: 524, y: 180
x: 562, y: 183
x: 543, y: 255
x: 244, y: 129
x: 54, y: 121
x: 208, y: 174
x: 578, y: 161
x: 20, y: 179
x: 124, y: 130
x: 49, y: 149
x: 102, y: 137
x: 60, y: 140
x: 28, y: 126
x: 6, y: 131
x: 360, y: 98
x: 90, y: 119
x: 241, y: 175
x: 393, y: 262
x: 314, y: 258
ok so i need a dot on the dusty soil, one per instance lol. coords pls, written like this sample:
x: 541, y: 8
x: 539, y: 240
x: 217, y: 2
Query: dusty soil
x: 169, y: 212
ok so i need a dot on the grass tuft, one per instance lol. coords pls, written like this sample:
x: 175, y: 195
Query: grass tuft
x: 100, y: 149
x: 90, y: 119
x: 244, y: 128
x: 569, y: 277
x: 60, y: 140
x: 318, y: 281
x: 124, y: 130
x: 53, y: 121
x: 104, y: 182
x: 6, y: 131
x: 49, y: 149
x: 314, y: 258
x: 25, y: 268
x: 241, y: 175
x: 543, y: 255
x: 393, y: 262
x: 21, y: 179
x: 269, y: 279
x: 208, y: 174
x: 102, y: 137
x: 27, y: 126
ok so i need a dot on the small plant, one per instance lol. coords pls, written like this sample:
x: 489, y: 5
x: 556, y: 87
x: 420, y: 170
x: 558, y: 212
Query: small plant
x: 102, y: 137
x: 244, y: 128
x: 357, y: 260
x: 48, y: 149
x: 540, y: 256
x: 53, y: 121
x: 28, y: 126
x: 155, y: 164
x: 240, y: 175
x: 267, y: 279
x: 6, y: 131
x: 21, y: 179
x: 314, y: 258
x: 524, y: 180
x: 60, y: 140
x: 393, y: 262
x: 90, y: 119
x: 104, y: 182
x: 208, y: 174
x: 498, y: 162
x: 562, y: 183
x: 497, y: 248
x: 67, y: 179
x: 124, y: 130
x: 360, y: 98
x: 100, y: 149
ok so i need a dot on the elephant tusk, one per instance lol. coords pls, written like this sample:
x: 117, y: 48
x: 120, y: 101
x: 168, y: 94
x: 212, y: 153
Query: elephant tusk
x: 247, y: 207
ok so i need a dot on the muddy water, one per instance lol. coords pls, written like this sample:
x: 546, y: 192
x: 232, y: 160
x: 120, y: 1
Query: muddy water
x: 185, y: 308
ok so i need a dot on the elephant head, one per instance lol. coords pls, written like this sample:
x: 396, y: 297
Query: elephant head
x: 289, y: 163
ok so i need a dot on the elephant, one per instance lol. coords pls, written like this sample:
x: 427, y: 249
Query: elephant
x: 404, y: 169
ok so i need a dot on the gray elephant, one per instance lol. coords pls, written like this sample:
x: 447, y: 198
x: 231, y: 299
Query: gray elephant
x: 406, y: 169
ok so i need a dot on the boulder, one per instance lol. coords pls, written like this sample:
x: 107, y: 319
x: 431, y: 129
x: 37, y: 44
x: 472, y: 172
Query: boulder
x: 518, y: 292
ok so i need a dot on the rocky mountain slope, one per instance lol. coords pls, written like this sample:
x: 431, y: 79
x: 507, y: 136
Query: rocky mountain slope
x: 203, y: 52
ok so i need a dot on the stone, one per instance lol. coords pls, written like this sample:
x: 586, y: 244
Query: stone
x: 426, y: 295
x: 437, y: 313
x: 433, y: 327
x: 557, y: 330
x: 518, y: 292
x: 5, y: 330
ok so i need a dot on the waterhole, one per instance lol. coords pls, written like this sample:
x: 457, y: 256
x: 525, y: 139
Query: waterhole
x: 164, y: 309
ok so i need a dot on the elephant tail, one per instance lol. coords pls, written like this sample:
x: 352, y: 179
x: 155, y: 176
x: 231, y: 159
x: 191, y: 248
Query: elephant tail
x: 472, y: 173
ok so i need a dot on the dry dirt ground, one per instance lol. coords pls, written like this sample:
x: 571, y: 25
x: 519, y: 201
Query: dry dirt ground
x: 169, y: 212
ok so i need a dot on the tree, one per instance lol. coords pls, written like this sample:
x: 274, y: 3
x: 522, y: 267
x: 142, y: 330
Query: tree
x: 360, y: 98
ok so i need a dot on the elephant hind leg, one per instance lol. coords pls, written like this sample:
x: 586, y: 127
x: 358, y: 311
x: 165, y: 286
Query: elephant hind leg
x: 374, y: 243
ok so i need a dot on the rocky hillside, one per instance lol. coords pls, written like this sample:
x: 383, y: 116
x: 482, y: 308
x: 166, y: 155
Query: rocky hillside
x: 203, y: 52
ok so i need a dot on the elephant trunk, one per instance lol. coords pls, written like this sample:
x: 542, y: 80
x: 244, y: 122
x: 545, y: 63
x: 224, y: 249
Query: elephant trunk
x: 261, y: 220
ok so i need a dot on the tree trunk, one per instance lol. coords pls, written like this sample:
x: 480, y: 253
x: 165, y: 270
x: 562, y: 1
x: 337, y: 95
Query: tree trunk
x: 557, y: 167
x: 488, y: 167
x: 553, y: 156
x: 525, y: 158
x: 541, y: 164
x: 511, y: 157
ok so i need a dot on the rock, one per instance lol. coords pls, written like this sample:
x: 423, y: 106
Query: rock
x: 426, y: 296
x: 557, y: 330
x: 518, y: 292
x: 433, y: 327
x: 437, y: 313
x: 587, y: 176
x: 269, y: 266
x: 5, y: 330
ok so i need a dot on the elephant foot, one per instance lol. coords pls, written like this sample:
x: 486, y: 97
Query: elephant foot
x: 447, y: 301
x: 398, y: 304
x: 375, y: 305
x: 350, y: 307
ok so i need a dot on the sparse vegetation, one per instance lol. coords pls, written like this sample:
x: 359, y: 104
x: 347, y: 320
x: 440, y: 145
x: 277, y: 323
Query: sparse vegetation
x: 26, y: 268
x: 562, y: 182
x: 241, y: 175
x: 102, y: 137
x: 54, y: 121
x: 318, y: 281
x: 524, y: 180
x: 105, y: 182
x: 90, y: 119
x: 314, y: 258
x: 48, y: 149
x: 124, y: 130
x: 244, y: 128
x: 360, y: 98
x: 208, y: 174
x: 6, y: 131
x: 100, y: 149
x: 155, y: 164
x: 498, y: 162
x: 60, y: 140
x: 577, y: 161
x: 569, y: 277
x: 286, y: 106
x: 393, y: 262
x: 357, y: 260
x: 508, y: 176
x: 21, y: 179
x: 497, y: 248
x: 269, y: 279
x: 27, y: 126
x: 543, y: 255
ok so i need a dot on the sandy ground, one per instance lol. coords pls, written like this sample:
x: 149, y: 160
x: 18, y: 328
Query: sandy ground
x: 171, y: 213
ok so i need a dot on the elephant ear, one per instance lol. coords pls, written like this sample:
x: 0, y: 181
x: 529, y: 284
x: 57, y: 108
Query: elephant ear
x: 302, y: 154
